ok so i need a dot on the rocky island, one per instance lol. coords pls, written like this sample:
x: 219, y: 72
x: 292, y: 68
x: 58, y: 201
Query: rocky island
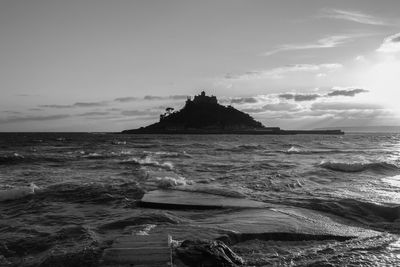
x: 204, y: 115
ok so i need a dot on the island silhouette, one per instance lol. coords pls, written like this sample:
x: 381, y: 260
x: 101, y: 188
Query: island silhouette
x: 204, y: 115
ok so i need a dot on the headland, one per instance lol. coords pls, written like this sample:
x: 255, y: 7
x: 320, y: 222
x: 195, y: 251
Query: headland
x: 204, y: 115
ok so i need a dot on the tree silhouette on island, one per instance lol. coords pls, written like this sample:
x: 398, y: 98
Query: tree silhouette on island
x: 203, y: 115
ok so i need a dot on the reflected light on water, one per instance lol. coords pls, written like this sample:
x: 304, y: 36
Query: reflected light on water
x: 393, y: 181
x: 394, y: 249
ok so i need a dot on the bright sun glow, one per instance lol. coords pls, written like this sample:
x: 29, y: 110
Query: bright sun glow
x: 382, y: 77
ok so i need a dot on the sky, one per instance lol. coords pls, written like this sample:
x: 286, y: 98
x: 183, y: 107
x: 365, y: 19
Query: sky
x: 97, y: 65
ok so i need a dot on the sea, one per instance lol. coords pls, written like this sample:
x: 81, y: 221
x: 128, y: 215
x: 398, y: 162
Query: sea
x: 65, y: 196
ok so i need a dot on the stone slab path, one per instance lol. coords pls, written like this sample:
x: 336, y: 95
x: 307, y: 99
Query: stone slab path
x: 138, y: 251
x: 176, y: 199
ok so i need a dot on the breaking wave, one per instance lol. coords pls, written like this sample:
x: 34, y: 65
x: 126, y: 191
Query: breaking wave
x: 148, y: 161
x: 168, y: 181
x: 359, y: 166
x: 302, y: 151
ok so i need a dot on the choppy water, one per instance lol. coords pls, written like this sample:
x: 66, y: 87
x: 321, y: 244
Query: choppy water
x: 65, y: 196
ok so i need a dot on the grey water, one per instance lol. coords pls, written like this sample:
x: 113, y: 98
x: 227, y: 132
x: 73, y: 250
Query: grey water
x: 65, y: 196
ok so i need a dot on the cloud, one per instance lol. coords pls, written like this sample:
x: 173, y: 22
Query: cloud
x: 348, y: 92
x: 174, y: 97
x: 140, y: 113
x: 355, y: 16
x: 33, y: 118
x: 178, y: 97
x: 281, y: 107
x: 244, y: 100
x: 126, y: 99
x: 286, y: 107
x: 344, y: 106
x: 12, y: 112
x: 310, y: 97
x: 119, y: 99
x: 28, y: 95
x: 89, y: 104
x: 279, y: 72
x: 151, y: 97
x: 300, y: 97
x: 76, y: 105
x: 56, y: 106
x: 326, y: 42
x: 390, y: 44
x: 94, y: 113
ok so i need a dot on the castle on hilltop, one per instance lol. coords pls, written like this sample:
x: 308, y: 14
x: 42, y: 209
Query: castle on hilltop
x: 203, y: 115
x: 202, y: 99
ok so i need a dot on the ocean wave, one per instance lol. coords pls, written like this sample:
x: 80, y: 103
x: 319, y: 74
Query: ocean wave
x: 359, y: 166
x: 117, y: 142
x: 17, y: 158
x: 148, y: 161
x: 89, y: 192
x: 303, y: 151
x: 168, y: 154
x: 96, y: 156
x: 143, y: 218
x: 294, y: 150
x: 162, y: 153
x: 4, y: 159
x: 250, y: 146
x: 69, y: 246
x: 126, y: 152
x: 146, y: 230
x: 240, y: 148
x: 164, y: 179
x: 104, y: 155
x: 371, y: 214
x: 167, y: 182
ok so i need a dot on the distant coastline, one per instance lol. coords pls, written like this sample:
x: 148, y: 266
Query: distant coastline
x: 365, y: 129
x: 275, y: 131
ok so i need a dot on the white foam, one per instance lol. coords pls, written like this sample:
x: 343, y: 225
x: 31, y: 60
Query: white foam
x: 344, y: 166
x: 119, y: 142
x: 18, y: 192
x: 126, y: 152
x: 164, y: 179
x: 150, y: 161
x: 95, y: 155
x: 393, y: 181
x: 168, y: 181
x: 146, y: 230
x: 293, y: 150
